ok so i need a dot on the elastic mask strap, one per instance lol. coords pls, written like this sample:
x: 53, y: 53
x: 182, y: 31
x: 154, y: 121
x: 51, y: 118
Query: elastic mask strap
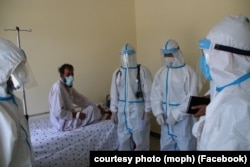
x: 206, y: 44
x: 237, y: 81
x: 232, y: 49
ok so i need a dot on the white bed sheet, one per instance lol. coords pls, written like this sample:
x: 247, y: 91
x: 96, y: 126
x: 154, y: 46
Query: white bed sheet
x: 72, y: 148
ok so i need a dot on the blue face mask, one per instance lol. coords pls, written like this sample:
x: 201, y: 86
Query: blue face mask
x: 205, y: 68
x: 69, y: 80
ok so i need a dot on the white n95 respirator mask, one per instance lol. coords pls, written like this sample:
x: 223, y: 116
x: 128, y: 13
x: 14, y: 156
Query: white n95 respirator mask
x: 169, y: 61
x: 20, y: 76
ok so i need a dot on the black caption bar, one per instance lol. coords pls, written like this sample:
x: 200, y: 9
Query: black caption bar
x: 163, y: 158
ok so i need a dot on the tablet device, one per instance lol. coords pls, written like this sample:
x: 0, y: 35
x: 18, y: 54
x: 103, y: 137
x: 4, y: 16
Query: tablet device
x: 195, y: 101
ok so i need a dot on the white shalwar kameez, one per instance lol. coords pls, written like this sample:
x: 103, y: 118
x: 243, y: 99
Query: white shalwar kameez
x: 61, y: 103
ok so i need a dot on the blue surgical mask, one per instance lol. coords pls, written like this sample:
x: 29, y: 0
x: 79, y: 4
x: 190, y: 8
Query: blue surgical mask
x: 205, y: 68
x: 69, y: 80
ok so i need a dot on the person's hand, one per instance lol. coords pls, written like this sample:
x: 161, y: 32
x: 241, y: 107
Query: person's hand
x: 102, y: 110
x: 114, y: 117
x: 170, y: 120
x: 160, y: 119
x: 201, y: 110
x: 79, y: 115
x: 82, y: 116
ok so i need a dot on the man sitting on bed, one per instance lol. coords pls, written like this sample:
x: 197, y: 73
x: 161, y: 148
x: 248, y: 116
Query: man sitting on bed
x: 63, y: 97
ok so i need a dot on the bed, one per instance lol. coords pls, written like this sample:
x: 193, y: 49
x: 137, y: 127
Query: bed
x: 72, y: 148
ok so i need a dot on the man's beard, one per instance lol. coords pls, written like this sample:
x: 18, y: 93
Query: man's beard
x: 68, y: 86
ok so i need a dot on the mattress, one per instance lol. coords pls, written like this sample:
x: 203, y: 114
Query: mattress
x: 53, y: 148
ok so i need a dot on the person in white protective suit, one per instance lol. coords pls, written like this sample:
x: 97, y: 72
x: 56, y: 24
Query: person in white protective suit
x: 15, y: 144
x: 130, y: 101
x: 62, y: 98
x: 226, y: 54
x: 173, y: 84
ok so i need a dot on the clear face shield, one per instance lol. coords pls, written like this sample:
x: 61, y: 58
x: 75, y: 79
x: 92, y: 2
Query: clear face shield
x: 202, y: 65
x: 23, y: 75
x: 128, y: 60
x: 205, y: 45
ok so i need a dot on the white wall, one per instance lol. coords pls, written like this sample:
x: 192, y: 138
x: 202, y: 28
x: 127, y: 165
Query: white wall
x: 86, y: 33
x: 185, y: 21
x: 90, y: 33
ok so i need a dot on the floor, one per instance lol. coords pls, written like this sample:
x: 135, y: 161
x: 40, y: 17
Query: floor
x: 154, y: 143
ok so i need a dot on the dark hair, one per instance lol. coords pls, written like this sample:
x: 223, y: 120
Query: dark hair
x: 64, y: 66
